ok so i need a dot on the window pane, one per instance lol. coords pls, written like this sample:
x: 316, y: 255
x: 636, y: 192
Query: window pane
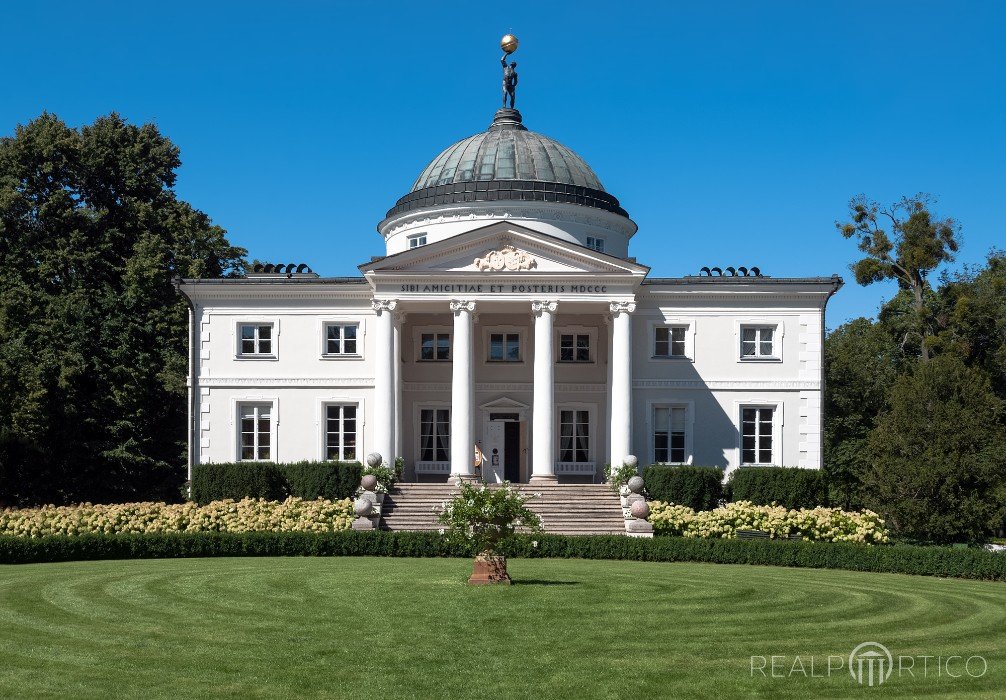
x: 247, y: 347
x: 247, y: 453
x: 265, y: 347
x: 264, y: 332
x: 565, y: 354
x: 247, y: 332
x: 349, y: 332
x: 766, y: 348
x: 350, y: 347
x: 660, y: 446
x: 263, y: 453
x: 513, y: 348
x: 747, y: 348
x: 495, y: 346
x: 426, y: 346
x: 749, y: 334
x: 443, y: 347
x: 334, y: 346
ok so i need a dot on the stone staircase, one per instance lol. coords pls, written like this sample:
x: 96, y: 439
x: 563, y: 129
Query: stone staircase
x: 573, y: 509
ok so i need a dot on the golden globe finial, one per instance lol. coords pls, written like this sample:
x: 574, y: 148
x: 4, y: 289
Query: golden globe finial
x: 508, y: 43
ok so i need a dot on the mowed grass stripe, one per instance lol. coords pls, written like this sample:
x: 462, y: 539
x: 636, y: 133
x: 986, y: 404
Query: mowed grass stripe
x: 375, y: 627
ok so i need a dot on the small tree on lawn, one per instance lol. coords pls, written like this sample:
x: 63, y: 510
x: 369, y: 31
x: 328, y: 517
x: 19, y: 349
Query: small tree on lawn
x: 938, y: 456
x: 489, y: 518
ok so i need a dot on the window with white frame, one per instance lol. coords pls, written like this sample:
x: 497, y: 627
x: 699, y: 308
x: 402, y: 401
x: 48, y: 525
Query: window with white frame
x: 434, y: 434
x: 435, y: 347
x: 669, y: 434
x: 595, y: 243
x: 255, y: 426
x: 574, y: 435
x: 255, y: 339
x: 669, y: 341
x: 504, y: 347
x: 757, y: 435
x: 574, y: 347
x: 758, y: 342
x: 341, y: 338
x: 417, y: 240
x: 340, y: 432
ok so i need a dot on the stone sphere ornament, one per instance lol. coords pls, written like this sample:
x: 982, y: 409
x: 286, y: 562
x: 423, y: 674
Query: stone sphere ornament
x: 635, y: 484
x: 631, y: 461
x: 368, y: 482
x: 508, y: 43
x: 640, y: 509
x: 362, y: 507
x: 374, y: 459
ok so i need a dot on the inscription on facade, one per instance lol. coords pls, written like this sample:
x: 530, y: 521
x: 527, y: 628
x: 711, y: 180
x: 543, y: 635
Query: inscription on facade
x: 455, y: 288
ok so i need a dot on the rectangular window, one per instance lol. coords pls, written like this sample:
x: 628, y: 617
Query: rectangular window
x: 417, y: 240
x: 434, y: 435
x: 504, y: 347
x: 340, y: 432
x: 256, y: 432
x: 256, y: 339
x: 574, y: 347
x: 340, y: 339
x: 435, y: 346
x: 669, y: 341
x: 756, y: 435
x: 595, y: 243
x: 669, y: 434
x: 574, y: 436
x: 758, y: 341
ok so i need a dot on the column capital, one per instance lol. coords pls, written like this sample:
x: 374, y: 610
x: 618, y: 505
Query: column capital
x: 543, y: 306
x: 381, y: 305
x: 459, y: 305
x: 622, y: 307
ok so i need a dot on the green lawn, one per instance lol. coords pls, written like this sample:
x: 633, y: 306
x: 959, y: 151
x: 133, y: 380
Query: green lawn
x: 358, y: 627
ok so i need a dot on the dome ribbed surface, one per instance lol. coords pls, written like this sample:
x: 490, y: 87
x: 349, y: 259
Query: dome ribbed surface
x: 507, y: 151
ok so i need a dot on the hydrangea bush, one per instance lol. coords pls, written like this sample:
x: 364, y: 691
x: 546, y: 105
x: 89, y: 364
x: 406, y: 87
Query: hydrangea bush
x: 816, y: 524
x: 488, y: 517
x: 246, y: 515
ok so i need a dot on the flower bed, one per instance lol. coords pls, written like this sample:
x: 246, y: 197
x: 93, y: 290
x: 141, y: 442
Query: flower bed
x: 246, y: 515
x: 815, y: 524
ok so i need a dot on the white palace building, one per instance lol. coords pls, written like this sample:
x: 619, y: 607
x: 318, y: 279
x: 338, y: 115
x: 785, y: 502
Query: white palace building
x: 506, y: 313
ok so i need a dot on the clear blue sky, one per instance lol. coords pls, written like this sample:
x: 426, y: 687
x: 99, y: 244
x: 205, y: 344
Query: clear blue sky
x: 734, y: 133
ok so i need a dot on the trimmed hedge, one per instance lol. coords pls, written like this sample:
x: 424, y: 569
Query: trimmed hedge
x: 699, y: 488
x: 904, y: 559
x: 792, y: 487
x: 332, y: 481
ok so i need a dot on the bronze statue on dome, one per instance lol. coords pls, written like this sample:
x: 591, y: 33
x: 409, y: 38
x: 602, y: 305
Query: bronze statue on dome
x: 509, y: 44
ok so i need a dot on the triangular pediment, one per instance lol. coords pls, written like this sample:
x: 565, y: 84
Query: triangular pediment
x: 501, y: 249
x: 504, y: 403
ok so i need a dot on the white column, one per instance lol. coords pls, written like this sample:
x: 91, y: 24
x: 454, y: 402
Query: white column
x: 462, y: 445
x: 620, y: 435
x: 543, y: 410
x: 399, y: 321
x: 384, y: 380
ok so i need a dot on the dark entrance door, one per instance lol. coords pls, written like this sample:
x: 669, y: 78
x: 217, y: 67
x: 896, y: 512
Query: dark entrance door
x: 511, y: 451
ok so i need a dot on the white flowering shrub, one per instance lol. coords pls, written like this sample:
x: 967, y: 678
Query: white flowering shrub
x: 488, y: 517
x: 246, y: 515
x: 815, y: 524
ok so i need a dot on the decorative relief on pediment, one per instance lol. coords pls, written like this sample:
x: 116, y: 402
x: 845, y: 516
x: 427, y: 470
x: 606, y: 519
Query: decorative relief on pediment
x: 506, y: 258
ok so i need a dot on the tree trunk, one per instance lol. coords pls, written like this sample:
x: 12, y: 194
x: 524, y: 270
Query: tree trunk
x: 918, y: 287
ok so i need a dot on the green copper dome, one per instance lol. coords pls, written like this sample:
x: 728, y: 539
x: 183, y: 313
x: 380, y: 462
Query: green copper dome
x: 507, y: 151
x: 507, y: 163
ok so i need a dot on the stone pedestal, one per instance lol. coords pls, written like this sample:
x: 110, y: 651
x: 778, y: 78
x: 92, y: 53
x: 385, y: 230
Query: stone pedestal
x: 488, y: 569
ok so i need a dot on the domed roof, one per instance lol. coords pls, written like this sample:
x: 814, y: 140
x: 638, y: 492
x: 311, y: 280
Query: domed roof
x: 507, y: 151
x: 507, y: 162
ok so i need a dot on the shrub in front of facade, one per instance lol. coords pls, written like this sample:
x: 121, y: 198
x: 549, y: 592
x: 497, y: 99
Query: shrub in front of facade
x: 791, y: 487
x: 330, y: 480
x: 700, y: 488
x: 246, y: 515
x: 970, y: 563
x: 816, y: 524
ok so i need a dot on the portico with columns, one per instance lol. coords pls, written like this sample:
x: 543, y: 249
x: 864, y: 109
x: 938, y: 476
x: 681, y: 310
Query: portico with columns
x: 501, y: 295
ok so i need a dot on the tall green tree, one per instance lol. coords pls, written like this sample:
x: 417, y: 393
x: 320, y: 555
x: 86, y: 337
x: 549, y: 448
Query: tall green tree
x: 904, y: 242
x: 937, y: 457
x: 861, y: 364
x: 92, y: 335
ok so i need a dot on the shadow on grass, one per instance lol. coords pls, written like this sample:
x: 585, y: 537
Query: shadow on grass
x: 541, y: 582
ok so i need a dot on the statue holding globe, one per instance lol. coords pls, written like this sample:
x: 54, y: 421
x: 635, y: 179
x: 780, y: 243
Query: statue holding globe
x: 509, y: 44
